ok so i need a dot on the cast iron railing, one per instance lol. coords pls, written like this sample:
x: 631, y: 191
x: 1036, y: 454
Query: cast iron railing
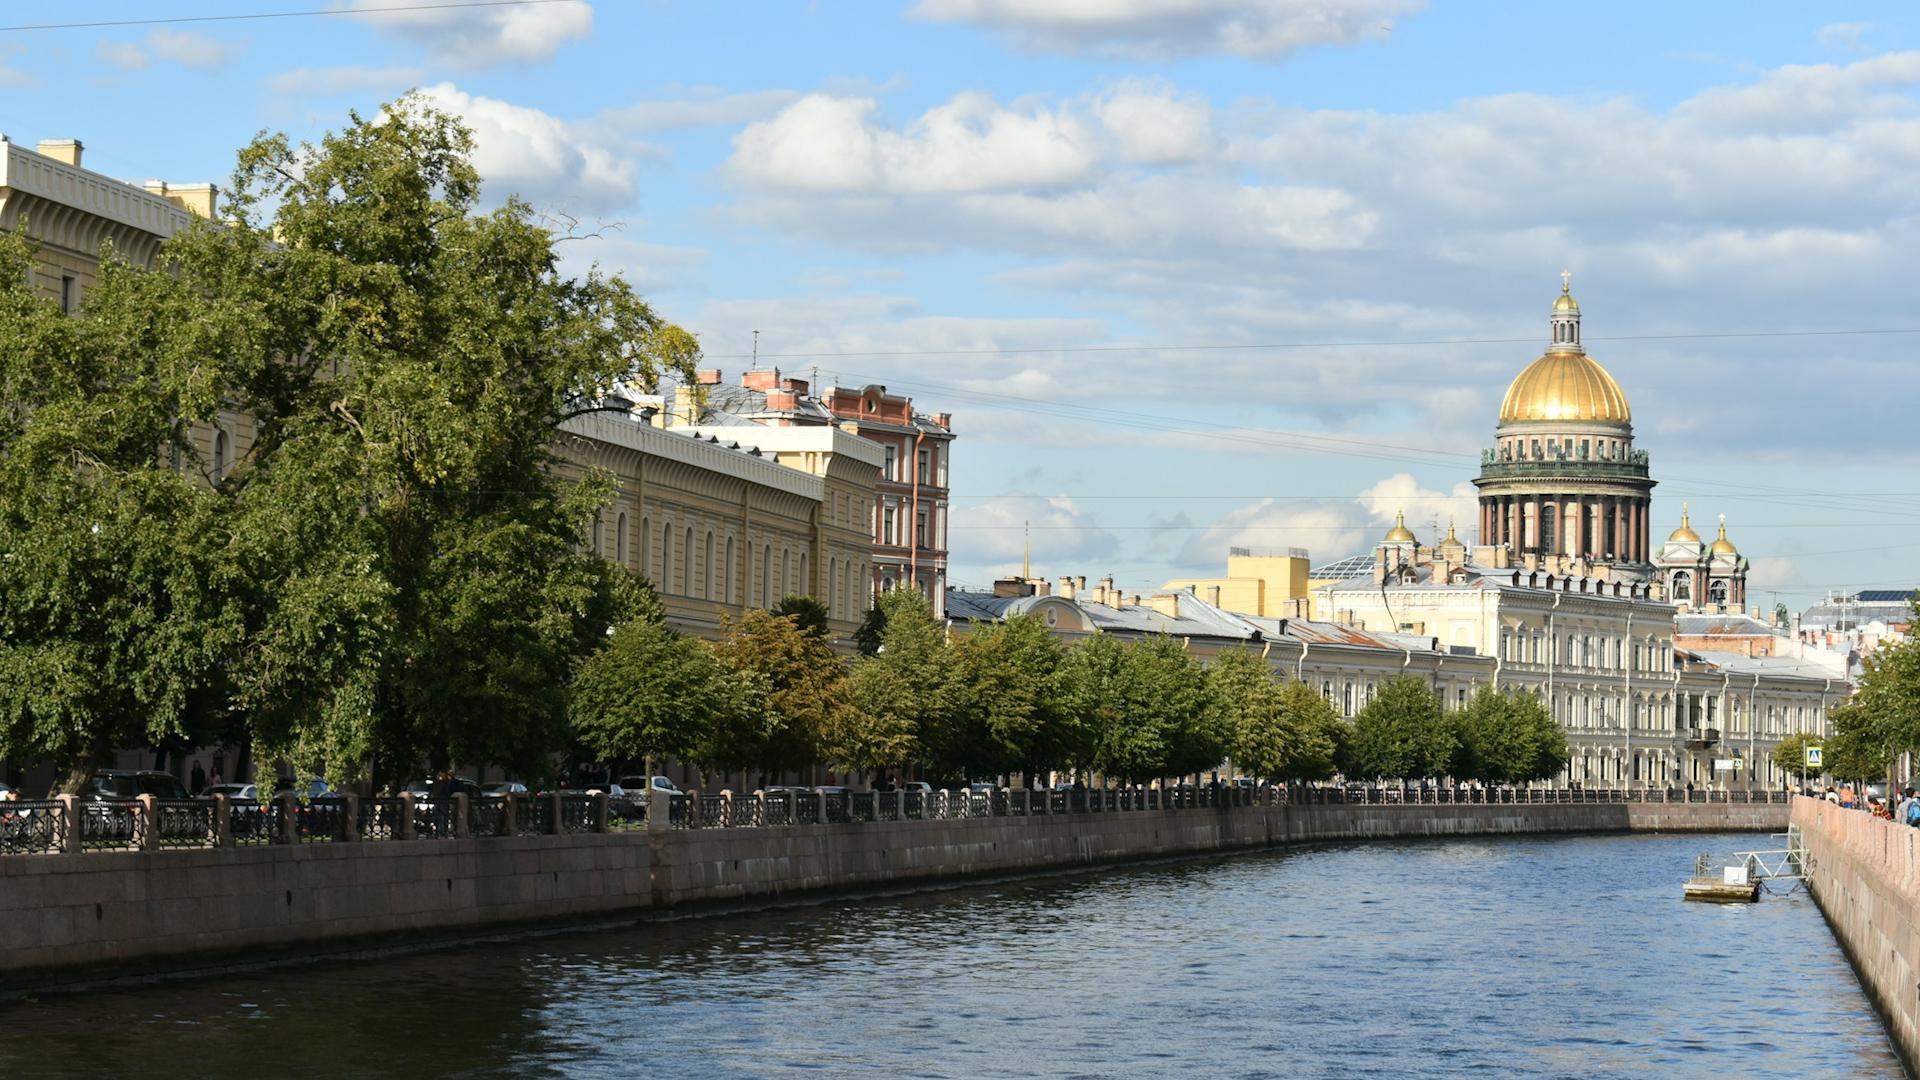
x: 33, y: 827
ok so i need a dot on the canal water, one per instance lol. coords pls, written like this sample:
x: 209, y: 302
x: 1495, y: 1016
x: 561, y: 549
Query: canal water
x: 1550, y: 956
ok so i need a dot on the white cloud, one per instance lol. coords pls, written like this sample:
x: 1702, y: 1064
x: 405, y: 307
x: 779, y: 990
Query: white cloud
x: 1065, y: 535
x: 1427, y: 512
x: 193, y: 50
x: 486, y: 37
x: 1772, y: 572
x: 333, y: 81
x: 176, y: 46
x: 1847, y: 35
x: 124, y: 55
x: 1258, y: 29
x: 524, y: 151
x: 1154, y: 125
x: 1327, y: 529
x: 701, y: 107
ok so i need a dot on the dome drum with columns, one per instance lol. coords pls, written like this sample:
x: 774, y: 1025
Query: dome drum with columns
x: 1563, y: 483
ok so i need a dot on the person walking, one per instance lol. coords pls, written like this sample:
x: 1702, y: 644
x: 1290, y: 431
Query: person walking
x: 198, y: 785
x: 440, y: 792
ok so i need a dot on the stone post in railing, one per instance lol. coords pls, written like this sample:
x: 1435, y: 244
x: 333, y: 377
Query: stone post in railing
x: 222, y: 821
x: 405, y: 829
x: 509, y: 814
x: 760, y: 797
x: 1026, y: 802
x: 146, y: 830
x: 460, y: 829
x: 289, y: 823
x: 350, y: 826
x: 72, y: 808
x: 554, y: 806
x: 946, y: 803
x: 659, y: 809
x: 599, y: 813
x: 695, y: 815
x: 726, y: 807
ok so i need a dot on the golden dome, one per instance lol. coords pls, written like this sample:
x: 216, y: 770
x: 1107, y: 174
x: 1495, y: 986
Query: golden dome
x: 1451, y: 541
x: 1400, y: 534
x: 1565, y: 386
x: 1724, y: 546
x: 1685, y: 534
x: 1566, y: 302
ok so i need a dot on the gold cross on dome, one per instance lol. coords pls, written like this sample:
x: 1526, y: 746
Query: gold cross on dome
x: 1566, y: 280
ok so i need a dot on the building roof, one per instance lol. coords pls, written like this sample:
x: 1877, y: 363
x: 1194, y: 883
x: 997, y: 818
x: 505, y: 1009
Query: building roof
x: 1352, y: 566
x: 1565, y: 386
x: 1735, y: 623
x: 1773, y: 667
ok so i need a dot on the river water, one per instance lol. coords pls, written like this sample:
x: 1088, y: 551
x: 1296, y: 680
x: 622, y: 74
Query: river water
x: 1550, y: 956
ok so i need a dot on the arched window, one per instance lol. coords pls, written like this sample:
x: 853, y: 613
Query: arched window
x: 1717, y: 591
x: 1547, y: 537
x: 786, y: 573
x: 1347, y: 701
x: 620, y: 541
x: 707, y: 569
x: 727, y: 589
x: 646, y: 545
x: 766, y: 576
x: 666, y: 556
x: 593, y: 537
x: 805, y: 584
x: 686, y: 562
x: 1682, y: 585
x: 219, y: 455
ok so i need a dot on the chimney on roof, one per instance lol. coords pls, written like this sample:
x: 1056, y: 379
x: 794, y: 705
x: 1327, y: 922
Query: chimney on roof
x: 795, y: 386
x: 1066, y: 588
x: 67, y: 151
x: 195, y: 198
x: 764, y: 379
x: 781, y: 399
x: 1080, y: 583
x: 707, y: 377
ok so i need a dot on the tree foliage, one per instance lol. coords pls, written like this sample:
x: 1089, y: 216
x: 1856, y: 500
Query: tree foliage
x: 1402, y: 732
x: 1012, y: 708
x: 806, y: 688
x: 1790, y: 755
x: 652, y: 691
x: 808, y: 613
x: 895, y: 695
x: 1507, y: 739
x: 1150, y: 709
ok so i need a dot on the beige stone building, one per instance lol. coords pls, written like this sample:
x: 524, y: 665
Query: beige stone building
x: 1257, y: 583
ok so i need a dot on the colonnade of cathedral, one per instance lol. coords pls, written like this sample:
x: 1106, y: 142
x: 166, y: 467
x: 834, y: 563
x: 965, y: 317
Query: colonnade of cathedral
x: 1606, y: 527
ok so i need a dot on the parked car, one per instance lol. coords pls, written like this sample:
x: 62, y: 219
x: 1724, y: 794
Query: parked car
x: 982, y: 787
x: 919, y: 787
x: 636, y: 785
x: 501, y: 790
x: 423, y: 789
x: 127, y: 783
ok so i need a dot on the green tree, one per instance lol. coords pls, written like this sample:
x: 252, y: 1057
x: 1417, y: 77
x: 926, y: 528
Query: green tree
x: 1859, y: 745
x: 1013, y: 711
x: 119, y: 612
x: 897, y: 694
x: 1790, y: 755
x: 1507, y: 738
x: 872, y: 627
x: 807, y: 612
x: 806, y: 687
x: 1402, y: 733
x: 654, y: 692
x: 1317, y: 731
x: 406, y: 554
x: 1153, y: 713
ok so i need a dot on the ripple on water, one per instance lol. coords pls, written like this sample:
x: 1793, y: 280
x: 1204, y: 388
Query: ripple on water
x: 1567, y: 956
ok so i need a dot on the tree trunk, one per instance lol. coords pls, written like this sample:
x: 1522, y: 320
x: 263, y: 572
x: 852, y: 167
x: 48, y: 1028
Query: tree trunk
x: 79, y: 772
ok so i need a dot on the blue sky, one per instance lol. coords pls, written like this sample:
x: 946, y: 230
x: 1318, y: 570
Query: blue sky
x: 1043, y: 216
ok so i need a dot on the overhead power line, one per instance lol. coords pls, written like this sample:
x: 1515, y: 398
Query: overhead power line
x: 176, y: 19
x: 1272, y: 345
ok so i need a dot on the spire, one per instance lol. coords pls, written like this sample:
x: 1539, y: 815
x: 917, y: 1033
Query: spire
x: 1565, y: 322
x: 1026, y: 560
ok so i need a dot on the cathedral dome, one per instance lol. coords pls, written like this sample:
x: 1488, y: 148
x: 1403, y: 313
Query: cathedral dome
x: 1400, y: 534
x: 1565, y: 386
x: 1724, y: 546
x: 1685, y: 534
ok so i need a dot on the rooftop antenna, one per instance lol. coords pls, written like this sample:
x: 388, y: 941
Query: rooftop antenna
x: 1026, y: 560
x: 756, y: 350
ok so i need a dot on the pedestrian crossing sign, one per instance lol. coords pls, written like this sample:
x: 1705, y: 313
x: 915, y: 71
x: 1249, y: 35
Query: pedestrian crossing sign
x: 1813, y: 756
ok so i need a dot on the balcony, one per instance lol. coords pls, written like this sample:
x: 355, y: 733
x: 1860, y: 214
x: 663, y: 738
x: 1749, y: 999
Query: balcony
x: 1702, y: 738
x: 1563, y: 469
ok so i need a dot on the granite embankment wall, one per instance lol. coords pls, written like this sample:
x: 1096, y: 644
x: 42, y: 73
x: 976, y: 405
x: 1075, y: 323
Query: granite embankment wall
x: 1865, y: 875
x: 67, y: 918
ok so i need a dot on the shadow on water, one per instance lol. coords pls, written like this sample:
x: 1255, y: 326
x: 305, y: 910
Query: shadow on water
x: 1562, y: 956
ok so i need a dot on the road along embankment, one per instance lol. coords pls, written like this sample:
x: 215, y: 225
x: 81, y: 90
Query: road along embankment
x: 1865, y: 875
x: 70, y: 917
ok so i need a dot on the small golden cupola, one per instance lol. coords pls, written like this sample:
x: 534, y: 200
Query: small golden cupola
x: 1565, y: 383
x: 1400, y: 534
x: 1685, y: 534
x: 1452, y: 542
x: 1724, y: 546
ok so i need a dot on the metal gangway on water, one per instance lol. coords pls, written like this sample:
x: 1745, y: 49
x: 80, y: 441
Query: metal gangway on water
x: 1743, y: 876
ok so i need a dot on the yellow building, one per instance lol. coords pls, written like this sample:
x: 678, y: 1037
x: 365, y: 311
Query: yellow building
x: 1257, y: 583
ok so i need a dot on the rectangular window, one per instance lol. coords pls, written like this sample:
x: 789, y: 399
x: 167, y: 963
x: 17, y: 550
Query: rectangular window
x: 891, y: 471
x: 924, y: 478
x: 66, y: 294
x: 920, y: 529
x: 887, y: 528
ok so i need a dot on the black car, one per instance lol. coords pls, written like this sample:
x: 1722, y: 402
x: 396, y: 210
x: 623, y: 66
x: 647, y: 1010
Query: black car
x: 129, y: 783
